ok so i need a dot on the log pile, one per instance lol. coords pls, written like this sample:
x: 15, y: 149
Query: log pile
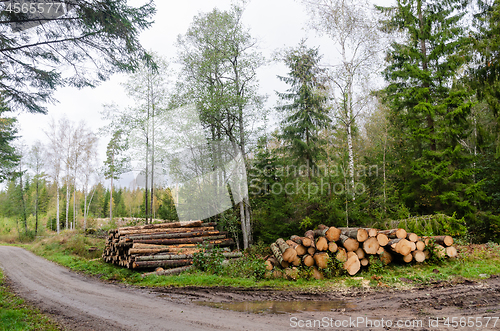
x: 353, y: 248
x: 163, y: 245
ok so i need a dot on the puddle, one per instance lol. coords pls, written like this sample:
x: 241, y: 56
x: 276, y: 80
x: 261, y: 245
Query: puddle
x: 279, y: 307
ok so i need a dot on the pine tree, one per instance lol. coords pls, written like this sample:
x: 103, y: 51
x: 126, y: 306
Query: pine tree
x: 307, y: 113
x: 429, y: 108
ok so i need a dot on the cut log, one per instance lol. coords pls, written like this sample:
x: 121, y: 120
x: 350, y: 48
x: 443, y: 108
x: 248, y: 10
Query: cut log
x: 308, y: 260
x: 352, y: 265
x: 394, y: 233
x: 400, y: 246
x: 321, y: 260
x: 440, y: 250
x: 278, y: 255
x: 182, y: 256
x: 382, y: 239
x: 420, y: 245
x: 164, y: 230
x: 168, y: 272
x: 292, y: 273
x: 310, y: 235
x: 332, y: 247
x: 442, y: 240
x: 174, y: 235
x: 296, y: 239
x: 311, y: 251
x: 301, y: 250
x: 418, y: 256
x: 413, y: 246
x: 349, y: 254
x: 333, y: 234
x: 371, y: 245
x: 321, y: 244
x: 317, y: 274
x: 341, y: 255
x: 427, y: 254
x: 176, y: 241
x: 297, y: 261
x: 380, y: 250
x: 364, y: 262
x: 182, y: 224
x: 320, y: 232
x: 360, y: 253
x: 358, y: 234
x: 408, y: 258
x: 371, y: 232
x: 161, y: 263
x: 412, y: 237
x: 271, y: 262
x: 289, y: 254
x: 349, y: 244
x: 386, y: 257
x: 306, y: 242
x: 451, y: 252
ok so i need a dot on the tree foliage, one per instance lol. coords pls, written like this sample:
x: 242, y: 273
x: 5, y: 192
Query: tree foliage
x: 86, y: 45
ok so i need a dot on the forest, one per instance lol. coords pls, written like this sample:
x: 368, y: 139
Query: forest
x: 403, y: 127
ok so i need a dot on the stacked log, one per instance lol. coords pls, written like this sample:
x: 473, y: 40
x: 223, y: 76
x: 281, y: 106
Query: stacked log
x: 353, y: 248
x: 165, y: 245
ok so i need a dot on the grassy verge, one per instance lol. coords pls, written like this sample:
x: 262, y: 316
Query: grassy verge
x: 71, y: 249
x: 15, y: 314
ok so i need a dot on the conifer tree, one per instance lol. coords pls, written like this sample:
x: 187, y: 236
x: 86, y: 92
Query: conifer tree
x: 429, y: 108
x: 306, y: 112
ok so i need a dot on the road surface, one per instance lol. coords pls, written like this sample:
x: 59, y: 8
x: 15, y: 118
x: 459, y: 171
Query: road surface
x: 84, y: 303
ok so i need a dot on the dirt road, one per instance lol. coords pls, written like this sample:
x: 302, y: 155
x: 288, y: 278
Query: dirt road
x: 83, y: 303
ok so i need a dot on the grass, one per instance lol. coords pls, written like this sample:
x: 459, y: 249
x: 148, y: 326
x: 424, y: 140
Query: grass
x: 15, y: 314
x: 71, y: 249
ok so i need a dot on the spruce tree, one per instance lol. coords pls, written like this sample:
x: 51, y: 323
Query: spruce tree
x: 306, y: 112
x: 429, y: 108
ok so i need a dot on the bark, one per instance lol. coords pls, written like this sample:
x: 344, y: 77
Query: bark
x: 164, y: 263
x: 356, y: 233
x: 400, y: 246
x: 394, y: 233
x: 278, y: 255
x: 442, y: 240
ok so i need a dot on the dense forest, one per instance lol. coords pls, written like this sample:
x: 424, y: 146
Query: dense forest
x: 404, y: 126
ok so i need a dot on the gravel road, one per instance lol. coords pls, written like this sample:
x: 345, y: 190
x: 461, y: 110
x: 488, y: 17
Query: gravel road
x: 80, y: 303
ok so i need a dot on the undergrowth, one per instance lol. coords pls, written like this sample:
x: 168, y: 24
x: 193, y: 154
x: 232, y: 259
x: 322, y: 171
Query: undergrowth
x: 16, y: 315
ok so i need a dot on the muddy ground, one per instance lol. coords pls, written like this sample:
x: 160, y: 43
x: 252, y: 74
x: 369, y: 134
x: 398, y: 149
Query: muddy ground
x: 83, y: 303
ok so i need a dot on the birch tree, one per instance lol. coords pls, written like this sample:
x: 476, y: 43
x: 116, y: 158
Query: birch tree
x: 219, y: 61
x: 36, y: 162
x: 54, y: 152
x: 352, y: 27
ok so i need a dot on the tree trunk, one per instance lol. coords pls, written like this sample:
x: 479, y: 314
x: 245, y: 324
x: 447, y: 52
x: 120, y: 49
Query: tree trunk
x: 57, y: 207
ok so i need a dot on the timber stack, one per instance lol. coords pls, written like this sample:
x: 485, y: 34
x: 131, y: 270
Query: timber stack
x: 354, y: 248
x: 164, y: 245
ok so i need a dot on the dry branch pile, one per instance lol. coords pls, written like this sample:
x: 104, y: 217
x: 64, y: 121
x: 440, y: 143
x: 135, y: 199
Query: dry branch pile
x: 353, y: 247
x: 165, y: 245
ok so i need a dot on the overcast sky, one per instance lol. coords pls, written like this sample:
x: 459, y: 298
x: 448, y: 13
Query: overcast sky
x: 275, y: 24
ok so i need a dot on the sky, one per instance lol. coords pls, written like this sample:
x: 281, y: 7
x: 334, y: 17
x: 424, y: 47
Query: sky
x: 274, y: 23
